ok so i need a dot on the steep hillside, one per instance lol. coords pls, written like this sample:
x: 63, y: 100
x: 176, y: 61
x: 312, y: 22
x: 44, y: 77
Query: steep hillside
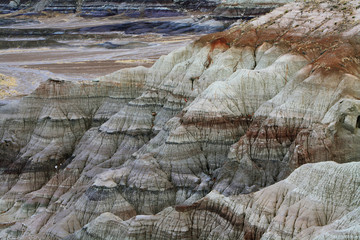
x: 178, y: 150
x: 317, y: 201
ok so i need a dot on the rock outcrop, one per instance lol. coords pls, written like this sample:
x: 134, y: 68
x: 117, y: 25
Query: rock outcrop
x: 317, y: 201
x: 202, y: 130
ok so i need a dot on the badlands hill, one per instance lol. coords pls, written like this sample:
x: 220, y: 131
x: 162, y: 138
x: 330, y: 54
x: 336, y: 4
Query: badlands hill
x: 245, y: 134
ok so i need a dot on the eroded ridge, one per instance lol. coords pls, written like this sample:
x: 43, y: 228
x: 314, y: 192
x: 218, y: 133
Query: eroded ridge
x: 303, y: 206
x: 201, y: 129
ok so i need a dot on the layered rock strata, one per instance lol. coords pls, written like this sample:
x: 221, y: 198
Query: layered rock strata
x: 155, y: 8
x: 39, y: 135
x: 317, y: 201
x: 245, y: 9
x: 129, y: 8
x: 202, y: 129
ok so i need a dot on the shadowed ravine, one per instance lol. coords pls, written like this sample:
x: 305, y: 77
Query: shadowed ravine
x: 249, y: 133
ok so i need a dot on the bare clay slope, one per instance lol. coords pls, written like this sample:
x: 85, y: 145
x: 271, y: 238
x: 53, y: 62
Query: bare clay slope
x: 317, y: 201
x: 233, y: 112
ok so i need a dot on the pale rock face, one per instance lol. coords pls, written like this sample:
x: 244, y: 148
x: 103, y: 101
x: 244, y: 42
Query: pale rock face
x: 45, y: 128
x: 203, y: 128
x: 317, y: 201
